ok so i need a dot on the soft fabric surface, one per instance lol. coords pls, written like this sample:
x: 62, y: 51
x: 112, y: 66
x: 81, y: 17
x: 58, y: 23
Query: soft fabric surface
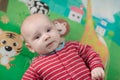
x: 83, y: 28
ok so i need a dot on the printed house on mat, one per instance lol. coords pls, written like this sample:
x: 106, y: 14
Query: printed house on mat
x: 101, y: 28
x: 76, y: 13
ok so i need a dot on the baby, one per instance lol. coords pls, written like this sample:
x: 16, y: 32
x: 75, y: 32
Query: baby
x: 57, y: 60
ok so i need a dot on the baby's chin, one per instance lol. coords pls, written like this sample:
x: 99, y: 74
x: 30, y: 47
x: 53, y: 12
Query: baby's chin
x: 50, y: 50
x: 52, y: 47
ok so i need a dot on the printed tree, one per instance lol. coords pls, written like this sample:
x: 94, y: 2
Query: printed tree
x: 91, y: 38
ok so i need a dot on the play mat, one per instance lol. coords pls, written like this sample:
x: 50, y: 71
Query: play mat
x: 93, y: 22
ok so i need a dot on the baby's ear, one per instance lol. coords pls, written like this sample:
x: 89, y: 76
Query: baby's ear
x: 29, y: 47
x: 21, y: 37
x: 1, y: 31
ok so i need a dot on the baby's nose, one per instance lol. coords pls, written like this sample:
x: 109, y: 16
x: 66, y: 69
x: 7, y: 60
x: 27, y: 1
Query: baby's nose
x: 46, y: 37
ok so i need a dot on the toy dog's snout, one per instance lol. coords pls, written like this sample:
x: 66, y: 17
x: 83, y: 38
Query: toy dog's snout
x: 8, y: 48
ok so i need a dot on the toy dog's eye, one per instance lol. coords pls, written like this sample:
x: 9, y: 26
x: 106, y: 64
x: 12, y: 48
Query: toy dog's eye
x: 15, y: 44
x: 3, y: 41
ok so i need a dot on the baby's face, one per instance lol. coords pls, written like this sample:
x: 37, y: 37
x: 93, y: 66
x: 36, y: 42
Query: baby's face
x: 42, y: 36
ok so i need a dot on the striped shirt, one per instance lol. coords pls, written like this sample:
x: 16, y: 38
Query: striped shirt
x: 73, y: 62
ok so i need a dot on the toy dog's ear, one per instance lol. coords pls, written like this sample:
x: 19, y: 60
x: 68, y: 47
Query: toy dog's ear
x: 1, y: 31
x: 62, y: 26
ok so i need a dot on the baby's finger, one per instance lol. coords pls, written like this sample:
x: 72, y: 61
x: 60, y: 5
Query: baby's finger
x: 94, y: 76
x: 102, y: 74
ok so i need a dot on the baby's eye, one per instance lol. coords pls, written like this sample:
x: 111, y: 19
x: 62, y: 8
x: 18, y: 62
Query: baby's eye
x: 37, y: 37
x: 48, y: 30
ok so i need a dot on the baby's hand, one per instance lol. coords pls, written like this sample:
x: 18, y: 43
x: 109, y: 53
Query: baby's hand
x: 97, y: 73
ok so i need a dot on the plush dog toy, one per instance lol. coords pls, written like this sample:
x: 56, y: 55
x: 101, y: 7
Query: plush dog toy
x: 10, y: 46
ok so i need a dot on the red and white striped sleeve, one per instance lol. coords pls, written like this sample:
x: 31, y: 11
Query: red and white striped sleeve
x: 30, y: 74
x: 89, y: 55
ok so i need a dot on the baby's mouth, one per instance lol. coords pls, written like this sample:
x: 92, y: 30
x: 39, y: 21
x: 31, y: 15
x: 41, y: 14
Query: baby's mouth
x: 49, y: 44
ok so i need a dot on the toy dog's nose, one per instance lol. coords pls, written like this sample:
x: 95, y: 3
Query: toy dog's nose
x: 8, y: 48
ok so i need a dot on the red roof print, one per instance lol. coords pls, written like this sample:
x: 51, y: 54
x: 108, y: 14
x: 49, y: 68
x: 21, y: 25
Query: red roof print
x: 78, y: 10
